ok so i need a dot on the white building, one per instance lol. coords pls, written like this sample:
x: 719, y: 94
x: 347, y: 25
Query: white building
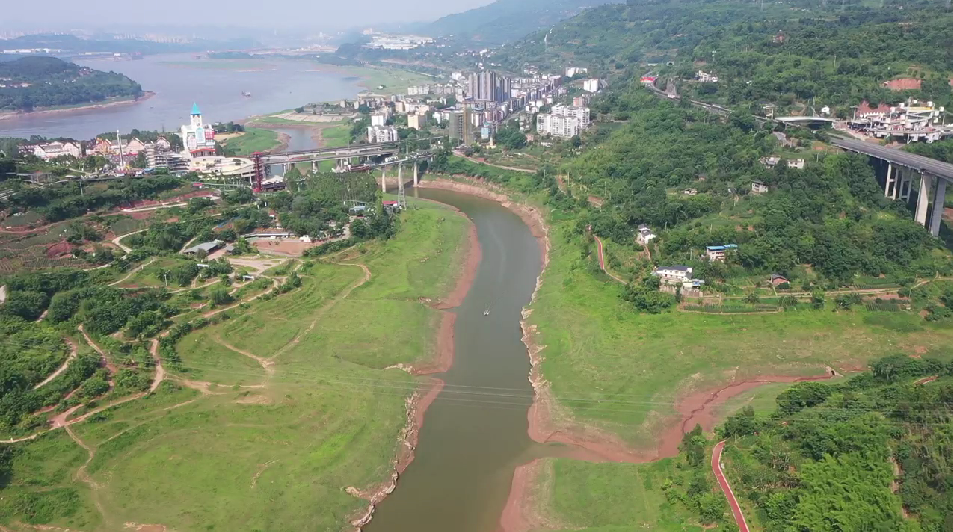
x: 591, y: 85
x: 55, y: 150
x: 379, y: 119
x: 572, y: 71
x: 673, y: 274
x: 564, y: 121
x: 198, y: 138
x: 645, y: 235
x: 377, y: 134
x: 706, y: 77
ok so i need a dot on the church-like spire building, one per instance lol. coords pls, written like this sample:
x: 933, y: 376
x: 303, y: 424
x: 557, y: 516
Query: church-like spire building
x: 198, y: 138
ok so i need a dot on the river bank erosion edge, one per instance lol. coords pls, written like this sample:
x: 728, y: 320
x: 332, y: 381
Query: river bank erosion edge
x: 420, y: 401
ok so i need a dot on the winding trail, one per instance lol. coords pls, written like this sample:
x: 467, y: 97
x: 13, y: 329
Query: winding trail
x: 602, y: 259
x: 118, y: 241
x: 160, y: 371
x: 109, y: 365
x: 59, y: 371
x: 726, y: 488
x: 132, y: 272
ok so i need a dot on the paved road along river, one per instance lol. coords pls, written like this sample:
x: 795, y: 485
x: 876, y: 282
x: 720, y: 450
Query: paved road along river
x: 475, y: 433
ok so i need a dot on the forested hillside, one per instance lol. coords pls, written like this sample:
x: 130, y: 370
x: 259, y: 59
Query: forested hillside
x: 32, y: 82
x: 880, y: 441
x: 782, y: 52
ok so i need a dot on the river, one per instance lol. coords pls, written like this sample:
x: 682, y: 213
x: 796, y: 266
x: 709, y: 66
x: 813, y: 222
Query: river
x: 179, y: 80
x: 475, y: 434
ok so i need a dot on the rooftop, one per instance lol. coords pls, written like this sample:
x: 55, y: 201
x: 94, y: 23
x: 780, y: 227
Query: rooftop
x: 204, y: 246
x: 722, y: 247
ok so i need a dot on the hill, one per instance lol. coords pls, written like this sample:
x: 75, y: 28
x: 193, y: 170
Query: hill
x: 784, y: 53
x: 507, y: 20
x: 33, y: 82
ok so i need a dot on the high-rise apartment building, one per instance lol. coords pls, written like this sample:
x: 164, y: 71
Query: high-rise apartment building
x: 488, y: 87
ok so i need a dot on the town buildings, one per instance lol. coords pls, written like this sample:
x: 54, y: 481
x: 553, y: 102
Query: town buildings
x: 55, y: 150
x: 377, y: 134
x: 563, y: 121
x: 592, y: 85
x: 910, y: 121
x: 197, y: 137
x: 488, y: 87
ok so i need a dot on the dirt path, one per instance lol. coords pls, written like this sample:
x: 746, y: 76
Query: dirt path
x: 726, y: 488
x: 59, y: 371
x: 160, y: 371
x: 109, y: 365
x: 323, y: 310
x: 118, y: 241
x: 266, y: 364
x: 132, y: 272
x: 602, y: 260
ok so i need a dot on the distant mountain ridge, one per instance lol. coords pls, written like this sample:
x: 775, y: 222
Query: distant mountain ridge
x: 507, y: 20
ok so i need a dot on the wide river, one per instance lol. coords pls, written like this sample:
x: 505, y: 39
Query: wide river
x: 180, y: 80
x: 475, y: 434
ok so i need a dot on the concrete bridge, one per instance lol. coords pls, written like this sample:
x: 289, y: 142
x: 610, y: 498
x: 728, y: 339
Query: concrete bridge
x: 264, y: 161
x: 900, y: 169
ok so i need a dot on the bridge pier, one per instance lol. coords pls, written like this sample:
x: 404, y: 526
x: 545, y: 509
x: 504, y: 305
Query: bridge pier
x: 384, y: 179
x: 939, y: 199
x: 923, y: 200
x: 416, y: 179
x: 906, y: 184
x: 891, y: 180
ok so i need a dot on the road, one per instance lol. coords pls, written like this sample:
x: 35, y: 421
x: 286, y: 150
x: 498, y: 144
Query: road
x: 726, y: 488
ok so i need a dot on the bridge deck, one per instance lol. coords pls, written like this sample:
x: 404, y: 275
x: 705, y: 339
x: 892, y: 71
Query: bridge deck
x: 895, y: 156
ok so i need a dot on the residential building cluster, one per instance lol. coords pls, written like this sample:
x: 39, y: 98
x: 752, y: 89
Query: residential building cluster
x: 563, y: 121
x: 382, y: 41
x: 910, y: 121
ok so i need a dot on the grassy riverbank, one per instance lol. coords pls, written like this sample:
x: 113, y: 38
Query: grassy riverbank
x: 280, y: 405
x: 254, y: 139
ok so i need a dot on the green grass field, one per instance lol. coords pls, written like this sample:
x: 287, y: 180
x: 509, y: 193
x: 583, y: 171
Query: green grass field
x: 613, y: 497
x: 254, y: 139
x: 263, y: 449
x: 598, y: 349
x: 621, y: 371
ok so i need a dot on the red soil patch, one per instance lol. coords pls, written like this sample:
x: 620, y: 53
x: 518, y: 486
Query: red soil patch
x: 470, y: 264
x: 903, y: 84
x: 445, y: 349
x: 513, y: 518
x: 292, y: 248
x: 416, y: 414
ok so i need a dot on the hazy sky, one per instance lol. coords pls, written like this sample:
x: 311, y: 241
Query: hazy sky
x: 320, y: 14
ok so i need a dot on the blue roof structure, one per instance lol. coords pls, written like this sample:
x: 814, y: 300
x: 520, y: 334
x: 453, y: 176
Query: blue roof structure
x: 722, y: 248
x: 195, y: 109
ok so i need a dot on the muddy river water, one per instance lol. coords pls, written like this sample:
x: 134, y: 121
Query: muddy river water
x: 475, y: 433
